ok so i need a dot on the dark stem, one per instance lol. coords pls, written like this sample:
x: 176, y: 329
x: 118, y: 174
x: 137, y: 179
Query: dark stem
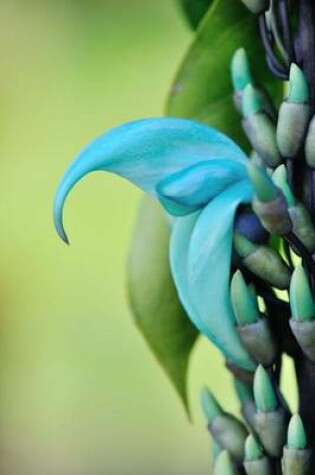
x: 305, y: 55
x: 284, y: 18
x: 274, y: 63
x: 305, y: 374
x: 305, y: 44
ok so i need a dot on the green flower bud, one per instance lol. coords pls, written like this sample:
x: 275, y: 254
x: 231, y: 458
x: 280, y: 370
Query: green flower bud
x: 253, y: 450
x: 296, y: 456
x: 302, y: 225
x: 294, y: 115
x: 264, y: 187
x: 256, y: 463
x: 310, y: 144
x: 301, y: 298
x: 210, y: 405
x: 296, y: 433
x: 251, y: 103
x: 256, y: 6
x: 262, y: 261
x: 298, y: 91
x: 259, y: 127
x: 269, y: 203
x: 223, y: 465
x: 241, y: 75
x: 280, y: 178
x: 226, y: 430
x: 243, y: 246
x: 259, y: 341
x: 270, y: 418
x: 264, y: 394
x: 245, y: 310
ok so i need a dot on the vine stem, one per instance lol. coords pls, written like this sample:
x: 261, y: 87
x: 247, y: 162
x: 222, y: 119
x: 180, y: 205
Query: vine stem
x: 305, y: 374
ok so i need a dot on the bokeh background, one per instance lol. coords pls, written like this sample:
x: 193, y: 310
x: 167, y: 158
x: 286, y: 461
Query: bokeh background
x: 79, y: 392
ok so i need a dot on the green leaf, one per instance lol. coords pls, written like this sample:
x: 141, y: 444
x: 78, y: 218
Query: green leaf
x: 194, y: 10
x: 203, y: 87
x: 157, y: 310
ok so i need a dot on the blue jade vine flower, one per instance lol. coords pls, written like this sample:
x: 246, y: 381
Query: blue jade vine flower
x: 200, y: 178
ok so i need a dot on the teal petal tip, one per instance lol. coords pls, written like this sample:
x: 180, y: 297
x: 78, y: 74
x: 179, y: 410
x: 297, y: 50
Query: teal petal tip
x: 298, y: 92
x: 240, y: 70
x: 251, y: 103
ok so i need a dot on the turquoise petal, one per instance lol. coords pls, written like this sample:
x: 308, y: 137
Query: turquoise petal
x: 193, y: 187
x: 145, y: 152
x: 201, y: 274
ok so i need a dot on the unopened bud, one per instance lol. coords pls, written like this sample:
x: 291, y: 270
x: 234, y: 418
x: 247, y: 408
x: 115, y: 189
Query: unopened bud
x: 259, y: 127
x: 263, y: 261
x: 241, y: 75
x: 264, y: 393
x: 244, y: 306
x: 294, y: 115
x: 296, y: 433
x: 302, y: 306
x: 228, y: 431
x: 296, y: 457
x: 256, y: 463
x: 256, y: 6
x: 301, y: 298
x: 270, y: 419
x: 302, y: 225
x: 269, y: 203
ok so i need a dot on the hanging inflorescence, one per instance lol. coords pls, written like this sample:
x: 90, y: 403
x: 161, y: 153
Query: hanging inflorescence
x: 275, y: 251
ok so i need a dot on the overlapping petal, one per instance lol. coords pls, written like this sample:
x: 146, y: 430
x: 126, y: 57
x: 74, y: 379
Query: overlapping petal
x: 200, y: 259
x: 198, y: 174
x: 145, y: 152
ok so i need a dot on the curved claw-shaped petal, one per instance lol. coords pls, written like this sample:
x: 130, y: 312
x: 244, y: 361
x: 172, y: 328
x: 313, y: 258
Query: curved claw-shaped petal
x: 145, y: 152
x: 200, y: 259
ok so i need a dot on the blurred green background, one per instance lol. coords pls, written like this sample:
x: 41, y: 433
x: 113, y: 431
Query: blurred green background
x: 80, y: 393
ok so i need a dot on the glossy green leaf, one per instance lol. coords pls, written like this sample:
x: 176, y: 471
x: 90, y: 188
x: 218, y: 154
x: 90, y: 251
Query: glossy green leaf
x: 157, y: 310
x: 194, y: 10
x: 203, y: 87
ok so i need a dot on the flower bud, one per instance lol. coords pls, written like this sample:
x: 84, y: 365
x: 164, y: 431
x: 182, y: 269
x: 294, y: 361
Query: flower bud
x: 241, y: 75
x: 301, y: 298
x: 296, y: 433
x: 245, y: 307
x: 256, y: 6
x: 270, y: 418
x: 254, y: 331
x: 259, y: 127
x: 269, y: 203
x: 227, y: 431
x: 302, y: 322
x: 294, y: 115
x: 256, y: 463
x: 310, y: 144
x: 263, y: 261
x: 223, y: 465
x: 264, y: 393
x: 296, y: 457
x: 302, y: 225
